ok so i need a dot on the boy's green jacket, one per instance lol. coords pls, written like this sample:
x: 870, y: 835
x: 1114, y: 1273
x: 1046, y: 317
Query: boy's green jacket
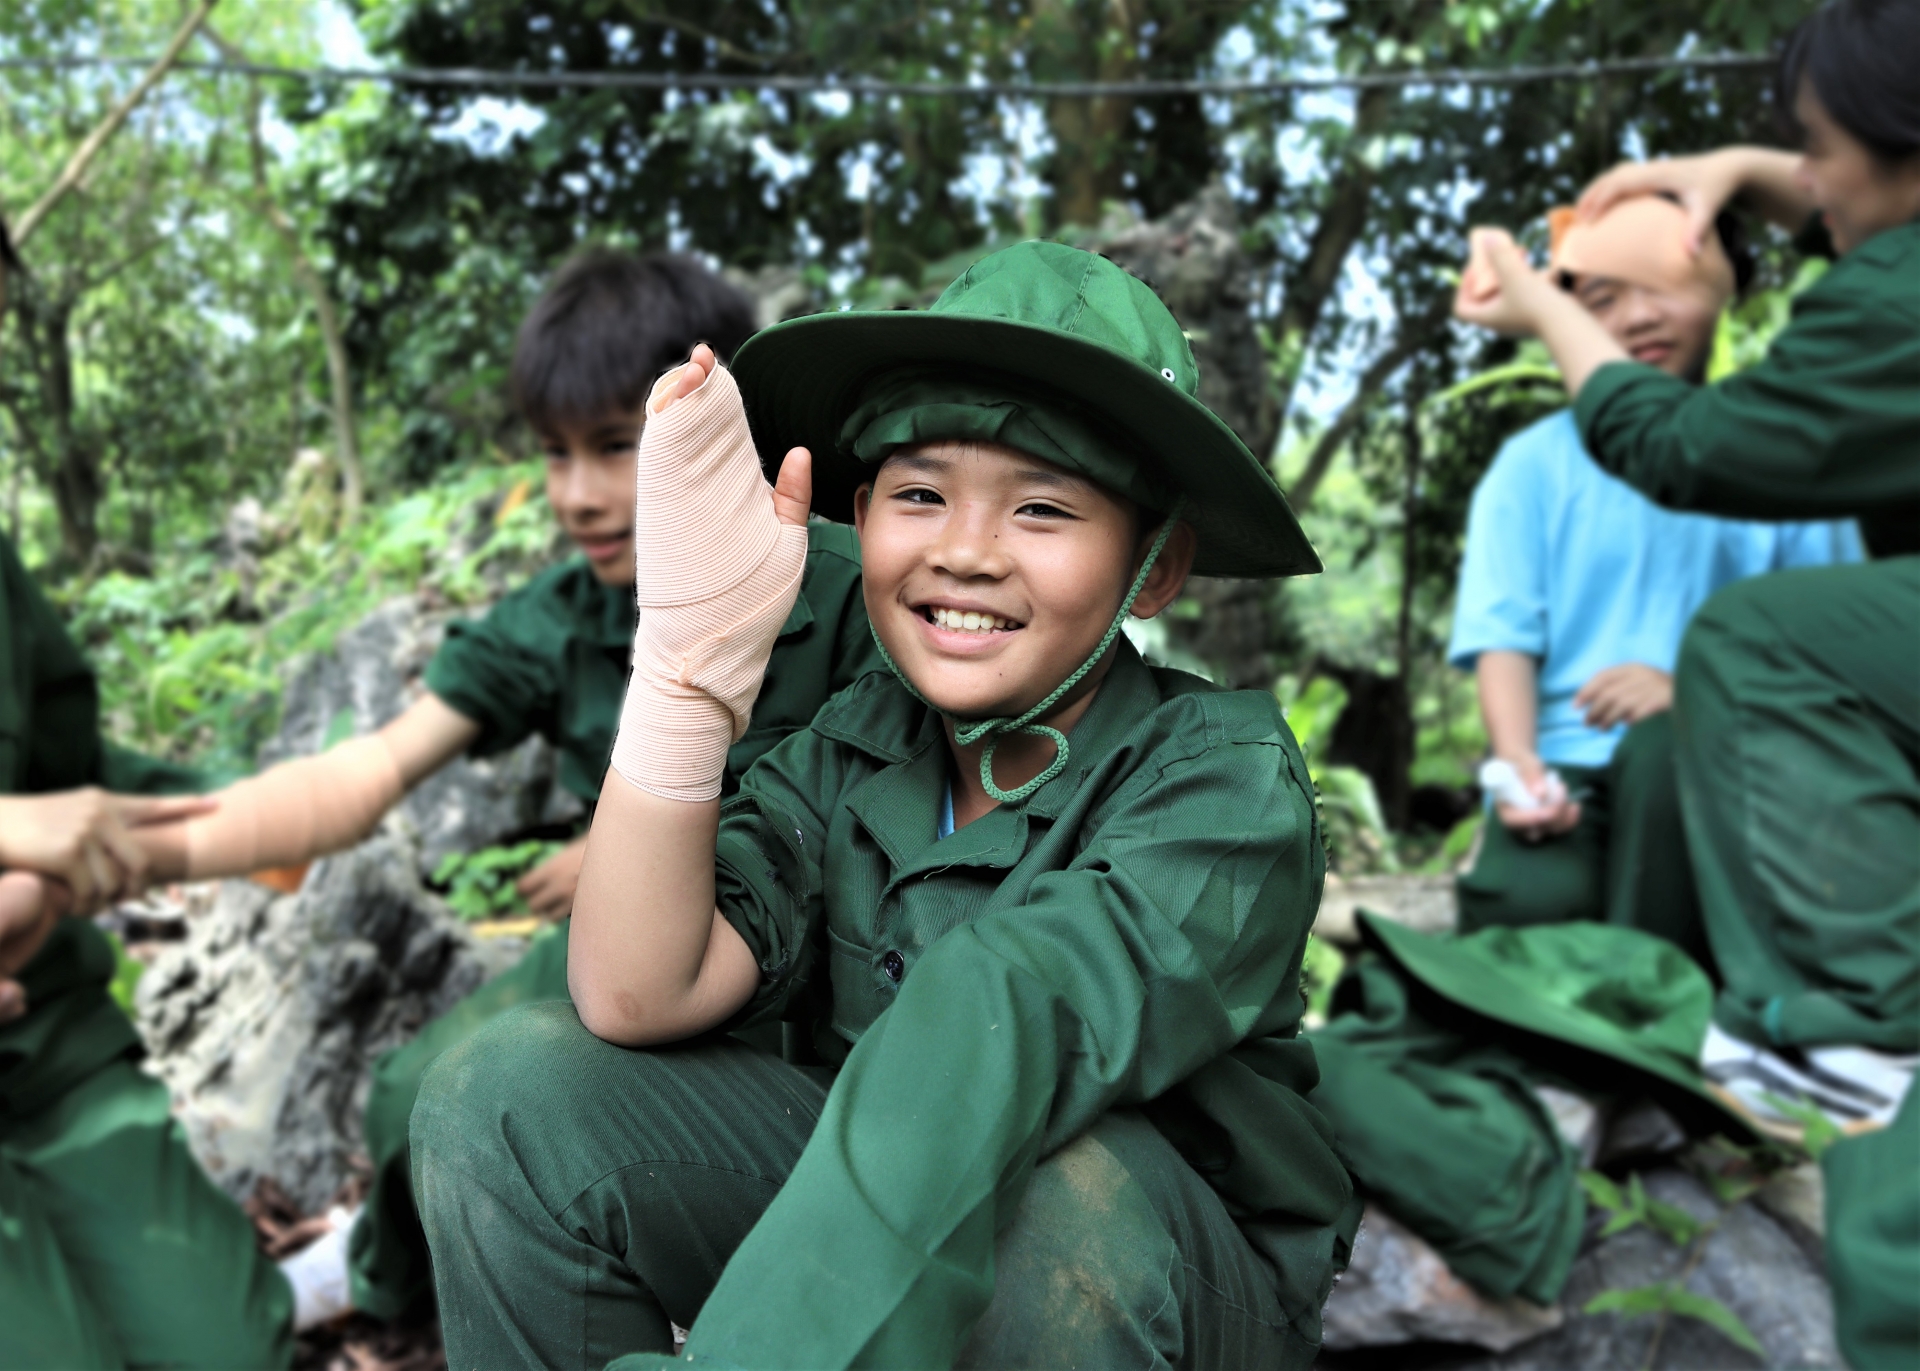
x: 1132, y: 934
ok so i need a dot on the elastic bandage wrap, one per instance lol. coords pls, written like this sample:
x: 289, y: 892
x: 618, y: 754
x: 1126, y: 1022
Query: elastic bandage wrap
x: 296, y: 811
x: 716, y: 573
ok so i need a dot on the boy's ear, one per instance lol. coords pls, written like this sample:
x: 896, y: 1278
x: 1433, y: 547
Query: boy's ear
x: 1169, y: 575
x: 862, y: 498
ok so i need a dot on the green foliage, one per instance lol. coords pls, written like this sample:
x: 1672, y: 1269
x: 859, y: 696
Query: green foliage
x: 480, y: 885
x: 1818, y: 1131
x: 1664, y: 1299
x: 1351, y: 823
x: 1320, y: 971
x: 1635, y: 1206
x: 126, y: 975
x: 1670, y: 1297
x: 191, y: 659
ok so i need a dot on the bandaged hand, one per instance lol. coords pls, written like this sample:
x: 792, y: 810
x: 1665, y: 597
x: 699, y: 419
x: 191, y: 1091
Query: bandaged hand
x: 718, y: 560
x: 295, y: 811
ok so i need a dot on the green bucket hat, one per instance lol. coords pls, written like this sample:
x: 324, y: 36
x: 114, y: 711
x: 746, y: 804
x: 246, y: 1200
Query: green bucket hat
x: 1625, y: 995
x: 1049, y: 349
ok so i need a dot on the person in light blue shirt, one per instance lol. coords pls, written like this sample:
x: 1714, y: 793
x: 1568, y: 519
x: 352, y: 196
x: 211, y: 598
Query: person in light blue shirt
x: 1574, y: 593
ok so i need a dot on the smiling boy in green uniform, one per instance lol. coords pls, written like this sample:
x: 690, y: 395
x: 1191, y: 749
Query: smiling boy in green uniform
x: 1034, y: 909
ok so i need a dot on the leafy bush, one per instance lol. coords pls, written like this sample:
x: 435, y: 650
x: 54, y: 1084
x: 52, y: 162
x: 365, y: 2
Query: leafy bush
x: 480, y: 885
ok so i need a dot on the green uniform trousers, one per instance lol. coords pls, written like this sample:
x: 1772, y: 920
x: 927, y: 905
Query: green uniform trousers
x: 1797, y: 730
x: 1873, y: 1243
x: 387, y: 1253
x: 1625, y: 862
x: 116, y: 1250
x: 582, y: 1195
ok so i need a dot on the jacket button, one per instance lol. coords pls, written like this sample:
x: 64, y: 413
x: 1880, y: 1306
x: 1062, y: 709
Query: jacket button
x: 894, y: 965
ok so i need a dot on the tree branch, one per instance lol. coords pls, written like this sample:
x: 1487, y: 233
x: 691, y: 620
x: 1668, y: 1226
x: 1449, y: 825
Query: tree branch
x: 1412, y: 338
x: 83, y: 156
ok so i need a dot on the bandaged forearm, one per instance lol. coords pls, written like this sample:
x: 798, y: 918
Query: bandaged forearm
x: 296, y: 811
x: 715, y: 575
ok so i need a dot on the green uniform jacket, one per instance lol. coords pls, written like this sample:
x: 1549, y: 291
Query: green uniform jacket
x: 552, y: 658
x: 50, y: 740
x: 1130, y: 934
x: 1827, y: 426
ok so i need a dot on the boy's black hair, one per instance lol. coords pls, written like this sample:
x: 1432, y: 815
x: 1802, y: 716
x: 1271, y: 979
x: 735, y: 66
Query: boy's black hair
x: 1861, y: 58
x: 609, y: 323
x: 1731, y: 230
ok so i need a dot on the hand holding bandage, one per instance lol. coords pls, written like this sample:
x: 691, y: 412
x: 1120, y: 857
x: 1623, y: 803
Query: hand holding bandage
x: 718, y: 560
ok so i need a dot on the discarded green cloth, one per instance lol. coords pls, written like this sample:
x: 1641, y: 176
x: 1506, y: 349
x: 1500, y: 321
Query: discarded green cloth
x: 1873, y: 1243
x: 1445, y: 1129
x: 1431, y: 1060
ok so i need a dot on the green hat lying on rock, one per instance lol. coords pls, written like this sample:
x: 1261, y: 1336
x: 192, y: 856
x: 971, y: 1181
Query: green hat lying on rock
x: 1627, y: 996
x: 1045, y: 348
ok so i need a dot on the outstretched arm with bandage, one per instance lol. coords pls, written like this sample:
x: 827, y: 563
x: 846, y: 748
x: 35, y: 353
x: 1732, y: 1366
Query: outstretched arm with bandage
x: 310, y: 806
x: 719, y: 557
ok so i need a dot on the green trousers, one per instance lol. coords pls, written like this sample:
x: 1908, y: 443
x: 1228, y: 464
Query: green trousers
x: 1797, y: 731
x: 579, y: 1196
x: 116, y: 1250
x: 387, y: 1253
x: 1624, y: 863
x: 1873, y: 1243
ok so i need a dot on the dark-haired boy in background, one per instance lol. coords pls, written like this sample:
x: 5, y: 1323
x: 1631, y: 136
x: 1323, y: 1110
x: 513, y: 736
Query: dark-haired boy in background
x: 550, y: 658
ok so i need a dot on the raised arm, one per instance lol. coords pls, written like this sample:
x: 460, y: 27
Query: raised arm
x: 1758, y: 179
x: 718, y: 562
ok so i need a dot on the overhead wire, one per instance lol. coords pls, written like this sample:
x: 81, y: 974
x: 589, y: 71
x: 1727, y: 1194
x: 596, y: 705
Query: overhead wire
x: 492, y: 78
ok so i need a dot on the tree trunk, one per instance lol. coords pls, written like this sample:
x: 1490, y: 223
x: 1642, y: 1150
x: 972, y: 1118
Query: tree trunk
x: 1070, y: 45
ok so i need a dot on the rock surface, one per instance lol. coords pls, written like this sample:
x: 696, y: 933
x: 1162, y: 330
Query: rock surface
x: 1399, y: 1290
x: 1422, y: 902
x: 1751, y: 1263
x: 264, y: 1020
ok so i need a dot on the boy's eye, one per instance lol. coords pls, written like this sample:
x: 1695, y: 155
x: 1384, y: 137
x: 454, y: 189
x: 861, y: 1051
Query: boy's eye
x: 919, y: 495
x: 1040, y: 509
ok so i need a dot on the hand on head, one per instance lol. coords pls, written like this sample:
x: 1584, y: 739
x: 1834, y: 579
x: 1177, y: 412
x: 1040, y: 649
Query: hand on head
x: 87, y: 839
x: 1703, y: 185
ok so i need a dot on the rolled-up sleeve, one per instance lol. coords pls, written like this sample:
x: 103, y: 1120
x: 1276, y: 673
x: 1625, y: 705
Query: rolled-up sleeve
x: 1501, y: 604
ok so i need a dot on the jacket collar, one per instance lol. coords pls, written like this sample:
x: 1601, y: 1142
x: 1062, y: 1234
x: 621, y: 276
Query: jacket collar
x: 899, y: 805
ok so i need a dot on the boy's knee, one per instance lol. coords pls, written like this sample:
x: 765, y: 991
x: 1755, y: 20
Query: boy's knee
x: 523, y: 1063
x: 1086, y: 1274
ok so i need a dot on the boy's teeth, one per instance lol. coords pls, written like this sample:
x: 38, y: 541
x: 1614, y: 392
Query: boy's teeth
x: 969, y: 621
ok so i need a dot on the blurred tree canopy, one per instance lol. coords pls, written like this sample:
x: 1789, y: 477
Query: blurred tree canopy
x: 165, y: 358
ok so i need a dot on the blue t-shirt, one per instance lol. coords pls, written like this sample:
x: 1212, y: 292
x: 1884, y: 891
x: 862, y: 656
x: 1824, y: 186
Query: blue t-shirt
x: 1579, y: 570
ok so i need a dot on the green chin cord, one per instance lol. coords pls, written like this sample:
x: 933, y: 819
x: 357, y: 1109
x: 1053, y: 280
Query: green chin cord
x: 968, y: 733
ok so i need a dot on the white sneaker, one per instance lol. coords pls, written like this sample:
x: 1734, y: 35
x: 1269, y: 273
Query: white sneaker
x: 318, y: 1274
x: 1856, y: 1088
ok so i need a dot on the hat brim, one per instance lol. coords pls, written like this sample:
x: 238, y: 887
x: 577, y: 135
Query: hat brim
x: 1470, y: 983
x: 803, y: 377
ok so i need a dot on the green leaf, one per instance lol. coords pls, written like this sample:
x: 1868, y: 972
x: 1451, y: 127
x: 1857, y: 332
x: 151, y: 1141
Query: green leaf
x: 1602, y: 1191
x: 339, y: 727
x: 1818, y: 1132
x: 1641, y: 1299
x: 1708, y: 1310
x: 1676, y: 1223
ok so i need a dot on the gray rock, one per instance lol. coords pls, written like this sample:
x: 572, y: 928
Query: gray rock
x: 264, y: 1021
x: 1422, y: 902
x: 1399, y: 1290
x: 373, y: 674
x: 1750, y: 1264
